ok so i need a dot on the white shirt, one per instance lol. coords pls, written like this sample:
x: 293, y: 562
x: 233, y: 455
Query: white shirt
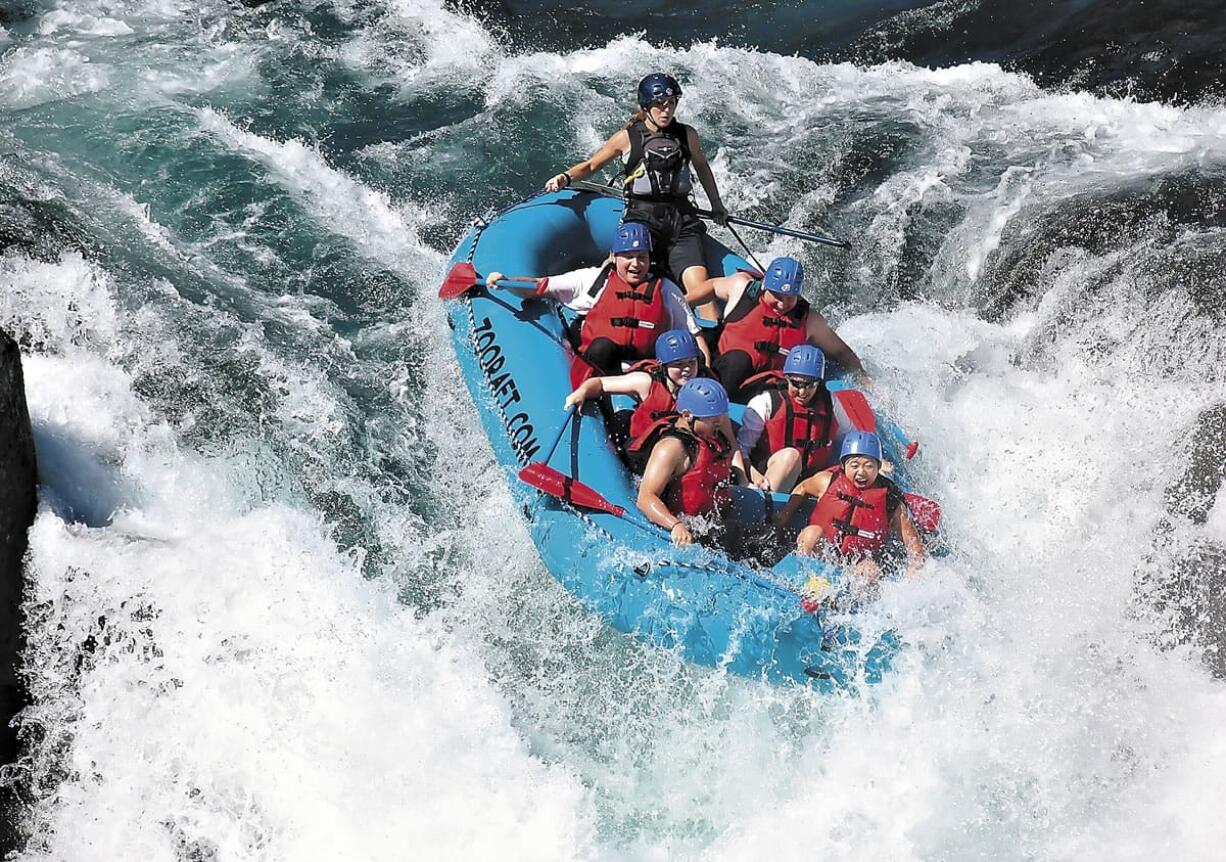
x: 572, y: 290
x: 758, y: 410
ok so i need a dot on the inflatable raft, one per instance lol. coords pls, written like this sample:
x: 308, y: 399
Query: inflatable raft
x: 517, y: 362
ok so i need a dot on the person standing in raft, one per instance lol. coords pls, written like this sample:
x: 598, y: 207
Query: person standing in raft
x: 623, y: 307
x: 693, y: 457
x: 765, y: 319
x: 789, y: 427
x: 857, y: 510
x: 657, y: 152
x: 655, y: 383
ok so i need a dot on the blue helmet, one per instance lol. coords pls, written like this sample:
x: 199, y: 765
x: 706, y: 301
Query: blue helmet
x: 655, y: 87
x: 702, y: 398
x: 631, y: 236
x: 805, y: 360
x: 861, y: 443
x: 785, y: 276
x: 676, y: 345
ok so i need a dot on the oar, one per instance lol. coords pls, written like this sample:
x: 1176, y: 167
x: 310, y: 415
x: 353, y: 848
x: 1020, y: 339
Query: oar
x: 610, y: 192
x: 556, y: 484
x: 463, y: 278
x: 553, y: 447
x: 781, y: 230
x: 927, y: 513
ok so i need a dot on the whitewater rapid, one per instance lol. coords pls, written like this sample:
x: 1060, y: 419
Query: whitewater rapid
x: 281, y: 605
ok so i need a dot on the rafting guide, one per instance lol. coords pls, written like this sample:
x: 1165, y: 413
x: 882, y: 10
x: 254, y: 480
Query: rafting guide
x: 658, y: 152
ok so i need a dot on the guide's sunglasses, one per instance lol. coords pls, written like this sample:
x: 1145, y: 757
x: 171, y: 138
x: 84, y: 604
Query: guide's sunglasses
x: 803, y: 382
x: 670, y: 102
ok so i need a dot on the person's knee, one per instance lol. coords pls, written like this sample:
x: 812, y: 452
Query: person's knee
x: 786, y: 460
x: 807, y: 541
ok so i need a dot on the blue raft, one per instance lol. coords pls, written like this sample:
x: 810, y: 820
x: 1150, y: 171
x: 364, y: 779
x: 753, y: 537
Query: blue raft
x: 516, y: 360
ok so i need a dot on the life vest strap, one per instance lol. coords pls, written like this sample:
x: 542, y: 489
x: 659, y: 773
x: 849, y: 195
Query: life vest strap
x: 631, y: 323
x: 845, y: 528
x: 854, y: 500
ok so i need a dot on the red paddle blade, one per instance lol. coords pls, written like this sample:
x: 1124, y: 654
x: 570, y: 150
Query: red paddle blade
x: 927, y: 513
x: 912, y: 448
x: 462, y: 278
x: 557, y: 484
x: 858, y: 411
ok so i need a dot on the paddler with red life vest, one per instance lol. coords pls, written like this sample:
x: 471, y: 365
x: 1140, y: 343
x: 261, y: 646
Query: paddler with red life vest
x: 764, y: 319
x: 857, y: 509
x: 658, y: 152
x: 655, y: 383
x: 693, y: 458
x: 789, y: 427
x: 623, y: 305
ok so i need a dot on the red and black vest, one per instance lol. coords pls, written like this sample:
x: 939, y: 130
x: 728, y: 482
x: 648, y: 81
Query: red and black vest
x: 660, y: 401
x: 697, y: 491
x: 766, y: 336
x: 808, y: 428
x: 632, y: 317
x: 856, y: 521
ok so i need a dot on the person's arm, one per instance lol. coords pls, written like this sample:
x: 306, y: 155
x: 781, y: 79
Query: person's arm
x: 668, y: 458
x: 635, y: 383
x: 814, y: 486
x: 753, y: 422
x: 917, y: 554
x: 615, y: 146
x: 701, y: 167
x: 527, y: 289
x: 822, y: 335
x: 681, y: 316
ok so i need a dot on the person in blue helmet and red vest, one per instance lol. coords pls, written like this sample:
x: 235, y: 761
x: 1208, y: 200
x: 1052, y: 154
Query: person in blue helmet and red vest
x: 764, y: 319
x: 693, y: 459
x: 658, y: 152
x: 623, y: 305
x: 789, y: 427
x: 857, y: 510
x: 654, y: 382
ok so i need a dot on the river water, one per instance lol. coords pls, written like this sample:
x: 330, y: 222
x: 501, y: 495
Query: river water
x: 281, y: 606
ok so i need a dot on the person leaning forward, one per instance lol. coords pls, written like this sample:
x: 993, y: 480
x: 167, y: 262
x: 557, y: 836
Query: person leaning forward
x: 623, y: 305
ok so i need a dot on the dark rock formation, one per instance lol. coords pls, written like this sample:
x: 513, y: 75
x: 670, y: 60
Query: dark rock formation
x: 17, y: 504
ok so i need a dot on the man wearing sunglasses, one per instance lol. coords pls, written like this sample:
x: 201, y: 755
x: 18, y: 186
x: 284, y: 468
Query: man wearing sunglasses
x: 789, y: 428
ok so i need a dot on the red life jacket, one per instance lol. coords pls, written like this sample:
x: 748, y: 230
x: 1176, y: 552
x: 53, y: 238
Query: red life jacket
x: 629, y: 316
x: 660, y: 400
x: 766, y: 336
x: 794, y: 425
x: 855, y: 521
x: 698, y: 490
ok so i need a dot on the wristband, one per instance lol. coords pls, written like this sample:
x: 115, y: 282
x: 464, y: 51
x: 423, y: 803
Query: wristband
x: 569, y: 178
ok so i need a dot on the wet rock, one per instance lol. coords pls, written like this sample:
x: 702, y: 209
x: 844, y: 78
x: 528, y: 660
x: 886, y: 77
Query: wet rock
x: 17, y: 505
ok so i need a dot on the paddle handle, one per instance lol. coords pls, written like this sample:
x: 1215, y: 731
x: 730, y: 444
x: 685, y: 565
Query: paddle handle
x: 781, y: 230
x: 553, y: 447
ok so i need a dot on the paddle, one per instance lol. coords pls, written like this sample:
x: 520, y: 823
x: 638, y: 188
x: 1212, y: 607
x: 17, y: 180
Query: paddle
x: 463, y: 278
x: 781, y: 230
x: 926, y: 512
x: 610, y: 192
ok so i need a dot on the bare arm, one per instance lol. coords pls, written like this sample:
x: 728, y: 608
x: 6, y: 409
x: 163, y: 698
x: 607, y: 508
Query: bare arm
x: 917, y: 554
x: 814, y: 486
x: 701, y: 167
x: 821, y: 335
x: 617, y: 145
x: 635, y: 383
x: 668, y: 459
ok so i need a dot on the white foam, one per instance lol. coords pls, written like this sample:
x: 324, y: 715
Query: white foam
x: 35, y: 76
